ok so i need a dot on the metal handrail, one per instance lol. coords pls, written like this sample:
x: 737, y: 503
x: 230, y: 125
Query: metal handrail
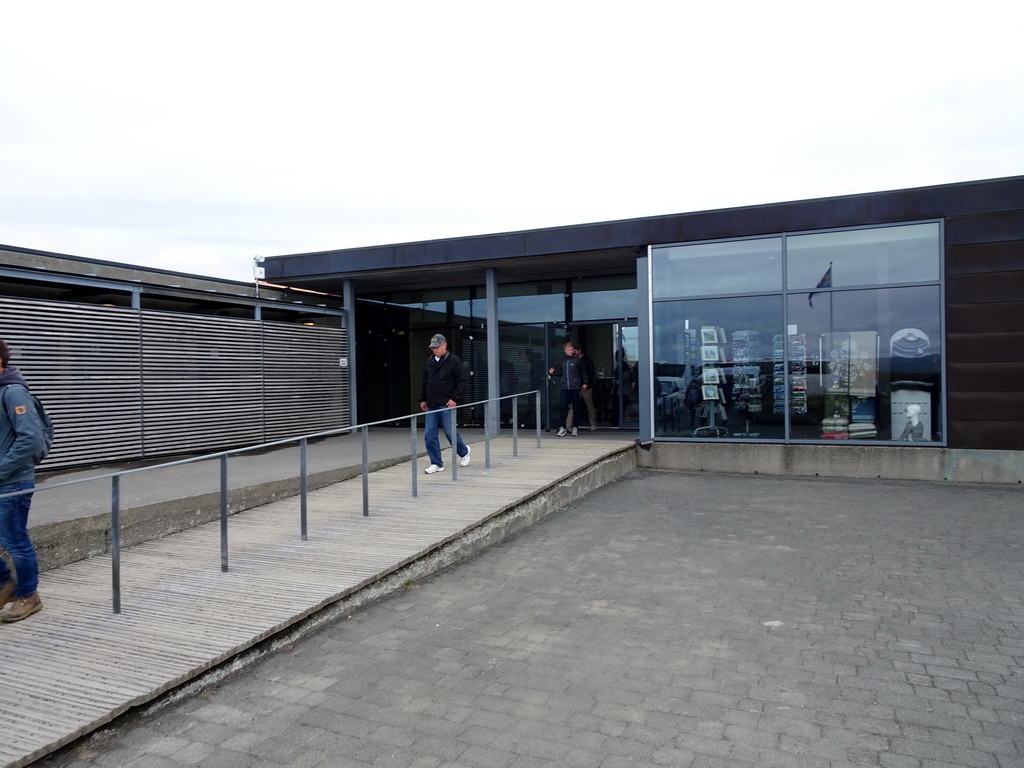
x: 303, y: 440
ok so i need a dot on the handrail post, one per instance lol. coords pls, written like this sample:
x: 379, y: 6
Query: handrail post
x: 224, y: 513
x: 366, y: 471
x: 115, y: 539
x: 412, y: 451
x: 487, y: 445
x: 455, y: 443
x: 302, y: 490
x: 515, y: 426
x: 537, y: 409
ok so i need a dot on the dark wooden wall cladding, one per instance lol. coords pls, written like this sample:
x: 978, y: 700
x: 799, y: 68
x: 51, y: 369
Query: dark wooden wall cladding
x: 985, y: 322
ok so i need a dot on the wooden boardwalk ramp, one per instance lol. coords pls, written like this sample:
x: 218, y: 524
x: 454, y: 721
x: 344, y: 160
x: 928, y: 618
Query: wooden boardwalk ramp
x: 76, y: 665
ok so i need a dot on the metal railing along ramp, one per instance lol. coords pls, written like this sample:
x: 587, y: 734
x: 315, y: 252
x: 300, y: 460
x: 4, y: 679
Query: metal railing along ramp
x: 75, y: 666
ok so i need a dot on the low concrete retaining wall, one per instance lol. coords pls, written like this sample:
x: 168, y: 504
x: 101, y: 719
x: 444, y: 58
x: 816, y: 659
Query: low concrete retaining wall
x: 851, y: 461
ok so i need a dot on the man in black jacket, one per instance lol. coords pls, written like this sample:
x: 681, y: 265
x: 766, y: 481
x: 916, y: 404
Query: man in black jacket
x: 574, y: 379
x: 586, y: 394
x: 443, y: 382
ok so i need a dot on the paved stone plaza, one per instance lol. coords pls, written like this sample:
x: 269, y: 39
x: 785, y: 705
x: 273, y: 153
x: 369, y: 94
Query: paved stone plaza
x: 666, y: 620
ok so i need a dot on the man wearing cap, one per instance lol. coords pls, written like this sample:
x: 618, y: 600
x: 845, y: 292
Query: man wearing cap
x: 443, y: 383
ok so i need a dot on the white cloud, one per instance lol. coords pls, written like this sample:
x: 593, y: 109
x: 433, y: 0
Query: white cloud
x: 208, y: 132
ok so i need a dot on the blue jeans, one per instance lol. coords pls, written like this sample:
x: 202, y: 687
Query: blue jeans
x: 442, y: 419
x: 14, y: 538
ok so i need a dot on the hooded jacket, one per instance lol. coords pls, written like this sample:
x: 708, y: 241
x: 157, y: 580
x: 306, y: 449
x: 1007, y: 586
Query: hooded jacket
x: 443, y: 380
x: 574, y: 374
x: 20, y: 429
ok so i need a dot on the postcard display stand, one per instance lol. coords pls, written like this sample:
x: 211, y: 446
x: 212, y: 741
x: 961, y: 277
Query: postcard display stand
x: 851, y: 386
x: 712, y: 408
x: 797, y: 373
x: 746, y: 376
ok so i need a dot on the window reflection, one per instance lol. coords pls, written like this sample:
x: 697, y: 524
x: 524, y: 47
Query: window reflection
x: 713, y: 368
x: 872, y: 365
x: 742, y: 266
x: 860, y: 364
x: 863, y: 256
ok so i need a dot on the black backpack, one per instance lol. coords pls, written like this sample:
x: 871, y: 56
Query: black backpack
x: 43, y: 450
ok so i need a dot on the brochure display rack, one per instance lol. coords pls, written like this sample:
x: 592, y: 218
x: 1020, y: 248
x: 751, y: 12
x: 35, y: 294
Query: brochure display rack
x: 712, y: 406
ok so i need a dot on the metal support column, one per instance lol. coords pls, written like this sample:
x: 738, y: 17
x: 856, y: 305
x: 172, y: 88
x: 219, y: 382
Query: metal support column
x: 645, y: 364
x: 492, y: 415
x: 349, y: 297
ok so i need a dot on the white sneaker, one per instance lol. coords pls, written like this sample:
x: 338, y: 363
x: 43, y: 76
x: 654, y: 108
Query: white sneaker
x: 433, y: 468
x: 561, y: 431
x: 464, y: 461
x: 575, y: 431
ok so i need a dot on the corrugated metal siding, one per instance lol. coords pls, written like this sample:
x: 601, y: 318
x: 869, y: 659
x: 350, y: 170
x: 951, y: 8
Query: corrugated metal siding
x: 202, y: 382
x: 305, y: 388
x: 123, y: 384
x: 82, y: 362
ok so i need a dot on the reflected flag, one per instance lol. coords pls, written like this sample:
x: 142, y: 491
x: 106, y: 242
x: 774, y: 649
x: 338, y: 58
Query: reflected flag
x: 825, y: 282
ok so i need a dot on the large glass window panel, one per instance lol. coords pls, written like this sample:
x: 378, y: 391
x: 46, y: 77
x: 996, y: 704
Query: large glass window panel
x: 604, y: 298
x: 713, y: 369
x: 877, y: 256
x: 864, y: 365
x: 738, y: 266
x: 532, y: 302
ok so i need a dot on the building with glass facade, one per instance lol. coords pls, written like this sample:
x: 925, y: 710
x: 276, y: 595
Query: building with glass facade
x: 826, y: 336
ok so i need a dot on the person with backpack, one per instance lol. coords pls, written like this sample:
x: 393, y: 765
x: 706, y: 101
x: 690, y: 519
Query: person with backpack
x: 22, y: 439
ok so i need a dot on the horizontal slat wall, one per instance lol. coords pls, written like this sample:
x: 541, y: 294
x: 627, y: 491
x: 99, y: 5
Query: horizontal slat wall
x: 202, y: 383
x: 123, y: 384
x: 305, y: 388
x: 82, y: 361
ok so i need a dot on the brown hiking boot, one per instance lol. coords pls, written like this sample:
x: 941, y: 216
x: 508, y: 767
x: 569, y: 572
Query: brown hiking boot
x: 6, y: 592
x: 21, y: 608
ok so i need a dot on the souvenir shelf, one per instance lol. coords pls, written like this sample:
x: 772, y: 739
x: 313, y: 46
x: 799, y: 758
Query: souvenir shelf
x: 850, y: 386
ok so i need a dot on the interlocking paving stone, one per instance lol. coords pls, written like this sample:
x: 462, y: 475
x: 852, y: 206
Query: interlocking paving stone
x: 666, y: 619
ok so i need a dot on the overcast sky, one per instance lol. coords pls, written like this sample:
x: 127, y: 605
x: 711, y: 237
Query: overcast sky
x: 193, y: 136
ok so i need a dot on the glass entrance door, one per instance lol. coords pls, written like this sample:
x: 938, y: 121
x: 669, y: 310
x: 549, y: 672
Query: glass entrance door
x: 624, y: 385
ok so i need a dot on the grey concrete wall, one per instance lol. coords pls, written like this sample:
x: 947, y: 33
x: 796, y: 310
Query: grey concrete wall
x: 849, y: 461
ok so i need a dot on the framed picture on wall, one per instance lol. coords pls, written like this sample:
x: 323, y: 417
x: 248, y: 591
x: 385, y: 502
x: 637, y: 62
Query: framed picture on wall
x: 709, y: 354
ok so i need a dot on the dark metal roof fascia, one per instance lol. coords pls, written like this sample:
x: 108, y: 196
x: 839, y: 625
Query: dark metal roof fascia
x: 847, y: 210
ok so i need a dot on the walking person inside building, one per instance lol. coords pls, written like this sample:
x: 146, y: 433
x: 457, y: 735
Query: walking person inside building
x: 444, y: 380
x: 21, y: 435
x: 586, y: 394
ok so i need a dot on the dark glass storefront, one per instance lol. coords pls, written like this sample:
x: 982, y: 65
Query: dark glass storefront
x: 536, y: 319
x: 819, y: 336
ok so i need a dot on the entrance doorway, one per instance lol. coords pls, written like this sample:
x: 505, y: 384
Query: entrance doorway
x: 614, y: 349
